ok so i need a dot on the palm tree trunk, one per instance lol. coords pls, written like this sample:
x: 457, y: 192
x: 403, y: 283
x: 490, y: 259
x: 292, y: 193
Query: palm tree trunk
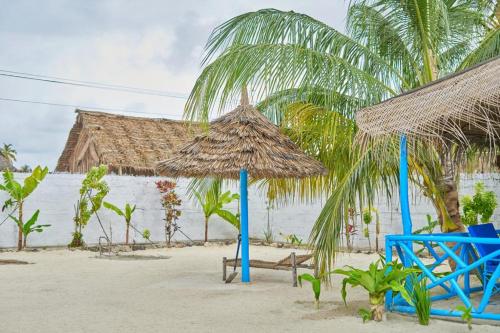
x: 20, y: 228
x: 452, y: 222
x: 126, y: 233
x: 24, y: 241
x: 206, y: 229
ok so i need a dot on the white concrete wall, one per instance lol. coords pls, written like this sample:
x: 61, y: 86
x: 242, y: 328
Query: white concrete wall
x: 57, y: 194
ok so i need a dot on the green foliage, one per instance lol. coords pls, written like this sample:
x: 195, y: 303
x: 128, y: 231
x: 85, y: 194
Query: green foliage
x: 18, y: 193
x: 367, y: 216
x: 126, y: 213
x: 269, y: 235
x: 365, y: 314
x: 311, y: 79
x: 92, y: 193
x: 293, y: 239
x: 479, y: 207
x: 8, y: 152
x: 421, y: 297
x: 315, y: 284
x: 212, y: 201
x: 146, y: 234
x: 466, y: 314
x: 429, y: 229
x: 379, y: 278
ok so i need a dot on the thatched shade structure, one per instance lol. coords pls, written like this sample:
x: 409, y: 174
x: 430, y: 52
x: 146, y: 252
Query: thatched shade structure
x: 239, y: 143
x: 464, y: 107
x: 241, y: 139
x: 127, y: 145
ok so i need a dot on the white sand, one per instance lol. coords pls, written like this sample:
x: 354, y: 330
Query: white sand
x: 71, y: 291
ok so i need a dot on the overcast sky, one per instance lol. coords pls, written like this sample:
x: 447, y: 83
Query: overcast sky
x: 142, y: 43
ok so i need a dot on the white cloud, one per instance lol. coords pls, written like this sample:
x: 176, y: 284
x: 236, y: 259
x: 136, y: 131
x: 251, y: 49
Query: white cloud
x: 147, y: 44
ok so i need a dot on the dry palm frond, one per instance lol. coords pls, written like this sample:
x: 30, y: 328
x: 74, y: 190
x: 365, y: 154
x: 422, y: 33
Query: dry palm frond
x: 241, y: 139
x: 463, y: 108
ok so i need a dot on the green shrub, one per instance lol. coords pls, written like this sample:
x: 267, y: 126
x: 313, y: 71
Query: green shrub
x: 377, y: 280
x: 480, y: 207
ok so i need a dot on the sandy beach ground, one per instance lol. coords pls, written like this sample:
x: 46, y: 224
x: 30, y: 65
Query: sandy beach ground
x: 72, y: 291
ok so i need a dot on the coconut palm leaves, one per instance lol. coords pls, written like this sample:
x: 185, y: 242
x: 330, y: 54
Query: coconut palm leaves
x: 8, y: 152
x: 310, y: 79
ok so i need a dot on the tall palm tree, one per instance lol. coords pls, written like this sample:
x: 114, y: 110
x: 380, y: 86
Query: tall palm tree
x: 311, y: 79
x: 8, y: 152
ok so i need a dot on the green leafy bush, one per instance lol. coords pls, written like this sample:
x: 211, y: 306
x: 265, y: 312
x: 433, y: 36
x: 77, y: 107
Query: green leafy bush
x: 479, y: 207
x: 379, y: 278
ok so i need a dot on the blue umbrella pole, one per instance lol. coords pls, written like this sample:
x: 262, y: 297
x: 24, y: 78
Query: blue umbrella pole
x: 245, y: 250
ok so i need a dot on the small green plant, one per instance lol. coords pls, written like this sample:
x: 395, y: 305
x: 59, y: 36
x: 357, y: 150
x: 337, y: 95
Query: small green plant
x: 377, y: 280
x: 315, y: 284
x: 292, y: 239
x: 92, y: 193
x: 146, y: 234
x: 365, y: 314
x: 480, y: 207
x: 421, y: 297
x: 367, y: 220
x: 18, y: 193
x: 213, y: 202
x: 268, y: 236
x: 466, y: 315
x: 429, y: 228
x: 126, y: 213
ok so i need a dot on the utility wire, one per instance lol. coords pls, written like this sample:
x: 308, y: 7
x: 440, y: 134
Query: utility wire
x: 89, y: 84
x: 85, y: 107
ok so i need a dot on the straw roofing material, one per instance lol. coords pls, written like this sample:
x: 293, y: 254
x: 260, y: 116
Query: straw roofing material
x: 241, y: 139
x: 463, y: 107
x: 127, y: 145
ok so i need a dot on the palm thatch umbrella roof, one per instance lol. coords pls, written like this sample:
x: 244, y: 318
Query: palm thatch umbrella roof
x: 464, y: 107
x: 241, y: 139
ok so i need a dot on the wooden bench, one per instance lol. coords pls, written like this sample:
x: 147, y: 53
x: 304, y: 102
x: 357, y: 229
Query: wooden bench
x: 289, y: 263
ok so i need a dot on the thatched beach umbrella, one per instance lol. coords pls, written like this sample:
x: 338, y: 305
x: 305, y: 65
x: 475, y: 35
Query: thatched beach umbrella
x: 242, y: 142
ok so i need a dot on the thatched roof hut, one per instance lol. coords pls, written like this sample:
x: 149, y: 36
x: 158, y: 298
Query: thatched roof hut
x: 127, y: 145
x: 241, y: 139
x: 464, y: 107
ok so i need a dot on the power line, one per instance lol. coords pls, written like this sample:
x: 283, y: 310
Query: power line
x: 84, y: 107
x: 89, y: 84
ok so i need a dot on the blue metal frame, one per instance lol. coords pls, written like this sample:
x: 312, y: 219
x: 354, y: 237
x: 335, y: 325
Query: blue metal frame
x: 467, y: 260
x: 245, y: 248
